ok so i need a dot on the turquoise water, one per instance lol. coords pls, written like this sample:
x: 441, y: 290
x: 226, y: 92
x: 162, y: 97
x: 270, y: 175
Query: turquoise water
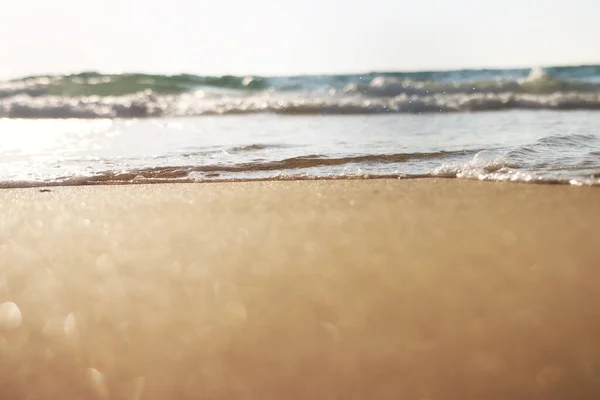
x: 93, y: 95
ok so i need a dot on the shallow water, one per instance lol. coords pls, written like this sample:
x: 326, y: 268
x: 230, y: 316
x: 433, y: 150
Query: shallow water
x: 527, y: 146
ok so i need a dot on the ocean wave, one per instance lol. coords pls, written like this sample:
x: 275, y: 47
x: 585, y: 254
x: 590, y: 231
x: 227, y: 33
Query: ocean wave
x: 539, y: 81
x: 568, y: 159
x: 93, y: 95
x: 379, y: 85
x: 567, y: 141
x: 145, y: 105
x: 95, y: 84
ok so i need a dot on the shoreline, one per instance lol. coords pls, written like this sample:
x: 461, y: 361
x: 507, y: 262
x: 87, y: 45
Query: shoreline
x: 77, y: 182
x: 355, y: 289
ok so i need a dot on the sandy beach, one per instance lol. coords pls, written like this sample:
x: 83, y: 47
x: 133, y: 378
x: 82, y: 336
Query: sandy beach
x: 359, y: 289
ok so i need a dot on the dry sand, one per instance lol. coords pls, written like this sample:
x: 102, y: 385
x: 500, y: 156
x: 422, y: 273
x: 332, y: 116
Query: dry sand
x: 383, y: 289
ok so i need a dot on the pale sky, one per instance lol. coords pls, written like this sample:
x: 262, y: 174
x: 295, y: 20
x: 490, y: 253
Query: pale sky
x: 277, y: 37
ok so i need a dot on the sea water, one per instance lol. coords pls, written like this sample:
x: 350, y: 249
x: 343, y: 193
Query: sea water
x: 527, y: 125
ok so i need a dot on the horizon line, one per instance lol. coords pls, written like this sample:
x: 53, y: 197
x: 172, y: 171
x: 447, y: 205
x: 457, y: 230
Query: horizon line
x: 348, y: 72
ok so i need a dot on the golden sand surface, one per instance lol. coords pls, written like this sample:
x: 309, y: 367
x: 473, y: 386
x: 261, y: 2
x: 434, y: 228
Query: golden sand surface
x: 367, y: 289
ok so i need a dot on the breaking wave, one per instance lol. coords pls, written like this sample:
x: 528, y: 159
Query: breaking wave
x: 94, y: 95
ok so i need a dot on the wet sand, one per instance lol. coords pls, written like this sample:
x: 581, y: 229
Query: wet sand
x: 381, y: 289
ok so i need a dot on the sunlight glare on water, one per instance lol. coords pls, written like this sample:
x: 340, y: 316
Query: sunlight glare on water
x: 517, y: 145
x: 51, y: 137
